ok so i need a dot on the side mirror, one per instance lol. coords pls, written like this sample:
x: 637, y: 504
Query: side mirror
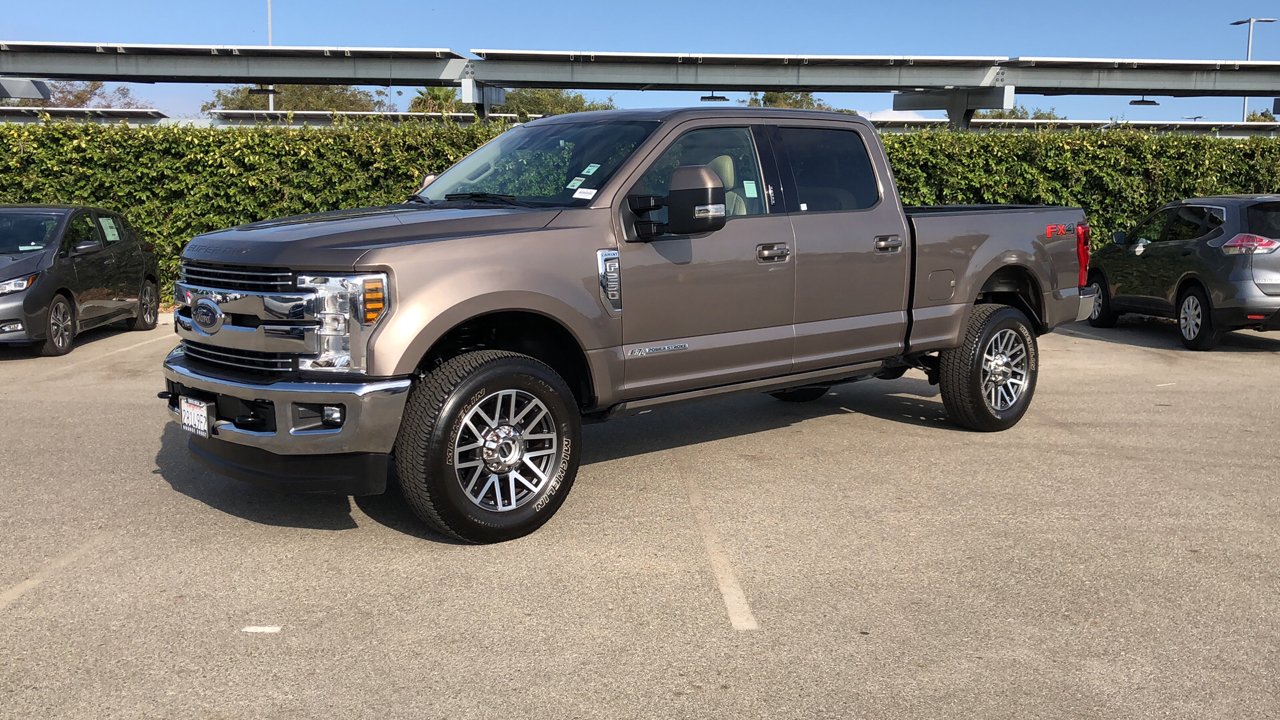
x: 1118, y: 238
x: 86, y: 247
x: 427, y: 181
x: 695, y: 201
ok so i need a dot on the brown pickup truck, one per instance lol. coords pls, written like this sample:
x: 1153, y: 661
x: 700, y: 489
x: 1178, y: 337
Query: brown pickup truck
x: 588, y: 265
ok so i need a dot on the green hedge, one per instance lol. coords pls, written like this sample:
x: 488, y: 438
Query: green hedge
x: 174, y: 182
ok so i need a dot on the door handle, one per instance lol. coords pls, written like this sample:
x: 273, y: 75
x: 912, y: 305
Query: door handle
x: 888, y: 244
x: 772, y: 252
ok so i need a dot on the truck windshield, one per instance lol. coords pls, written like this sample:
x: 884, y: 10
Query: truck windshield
x: 24, y: 232
x: 551, y: 165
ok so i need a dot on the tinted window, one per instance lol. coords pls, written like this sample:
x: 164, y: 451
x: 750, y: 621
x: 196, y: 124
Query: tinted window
x: 1186, y: 223
x: 24, y: 232
x: 730, y: 152
x: 112, y: 229
x: 1264, y: 219
x: 1149, y: 229
x: 832, y: 169
x: 81, y: 229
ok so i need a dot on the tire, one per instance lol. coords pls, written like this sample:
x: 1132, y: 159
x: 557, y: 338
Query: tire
x: 978, y: 379
x: 801, y: 394
x: 447, y: 472
x: 1195, y: 320
x: 148, y: 308
x: 1103, y: 315
x: 60, y: 328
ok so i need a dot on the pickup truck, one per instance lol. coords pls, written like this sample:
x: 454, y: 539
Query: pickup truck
x: 589, y: 265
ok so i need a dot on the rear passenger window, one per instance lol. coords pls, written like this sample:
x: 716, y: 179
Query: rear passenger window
x: 111, y: 229
x: 1186, y: 223
x: 832, y: 169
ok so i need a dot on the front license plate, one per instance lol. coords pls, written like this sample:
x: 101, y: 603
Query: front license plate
x: 195, y: 416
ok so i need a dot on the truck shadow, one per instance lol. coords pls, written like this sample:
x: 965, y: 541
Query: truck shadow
x: 1162, y: 334
x: 909, y: 400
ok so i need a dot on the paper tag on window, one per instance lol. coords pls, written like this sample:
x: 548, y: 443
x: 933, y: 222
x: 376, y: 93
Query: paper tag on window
x: 590, y: 169
x: 804, y: 206
x: 574, y: 183
x: 749, y: 188
x: 584, y: 194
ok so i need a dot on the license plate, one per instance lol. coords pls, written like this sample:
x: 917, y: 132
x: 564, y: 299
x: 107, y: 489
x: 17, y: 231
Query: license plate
x: 195, y: 416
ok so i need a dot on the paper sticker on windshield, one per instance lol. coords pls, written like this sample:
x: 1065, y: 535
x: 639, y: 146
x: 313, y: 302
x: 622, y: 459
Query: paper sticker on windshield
x: 574, y: 183
x: 590, y: 169
x: 749, y: 188
x: 584, y: 194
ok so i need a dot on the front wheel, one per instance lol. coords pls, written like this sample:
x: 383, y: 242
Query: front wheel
x: 489, y: 446
x: 988, y: 381
x: 60, y: 329
x: 1102, y: 315
x: 148, y: 308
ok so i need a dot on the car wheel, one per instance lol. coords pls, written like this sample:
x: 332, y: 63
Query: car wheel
x: 60, y: 329
x: 148, y: 307
x: 987, y: 383
x: 489, y: 446
x: 1102, y: 316
x: 801, y: 395
x: 1195, y: 320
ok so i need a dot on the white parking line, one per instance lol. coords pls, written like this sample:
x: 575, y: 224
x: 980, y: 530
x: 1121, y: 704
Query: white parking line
x: 261, y: 629
x: 735, y: 600
x: 86, y: 361
x: 8, y: 597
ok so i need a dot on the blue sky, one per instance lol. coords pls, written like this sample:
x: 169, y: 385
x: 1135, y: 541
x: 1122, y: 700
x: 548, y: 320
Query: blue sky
x: 1083, y: 28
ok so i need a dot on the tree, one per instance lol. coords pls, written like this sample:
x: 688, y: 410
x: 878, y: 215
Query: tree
x: 550, y: 101
x: 302, y: 97
x: 1261, y: 116
x: 86, y: 94
x: 436, y: 100
x: 1019, y: 112
x: 797, y: 100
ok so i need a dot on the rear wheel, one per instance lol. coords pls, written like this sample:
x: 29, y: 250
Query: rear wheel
x: 1102, y: 316
x: 800, y: 395
x: 148, y: 308
x: 987, y: 383
x: 489, y: 446
x: 1195, y: 320
x: 60, y: 329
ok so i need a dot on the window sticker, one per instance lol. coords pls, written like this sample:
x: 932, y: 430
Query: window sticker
x: 749, y: 188
x: 584, y: 194
x: 109, y: 229
x: 590, y: 169
x: 804, y: 207
x: 574, y: 183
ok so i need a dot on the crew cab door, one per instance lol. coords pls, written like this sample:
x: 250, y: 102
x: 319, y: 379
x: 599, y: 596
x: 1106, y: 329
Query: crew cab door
x: 852, y: 253
x: 709, y: 309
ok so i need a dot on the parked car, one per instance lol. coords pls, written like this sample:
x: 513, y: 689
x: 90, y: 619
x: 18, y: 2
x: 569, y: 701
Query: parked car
x: 588, y: 265
x: 64, y: 270
x: 1211, y: 263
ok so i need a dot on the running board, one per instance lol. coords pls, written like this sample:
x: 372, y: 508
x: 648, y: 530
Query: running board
x: 830, y: 376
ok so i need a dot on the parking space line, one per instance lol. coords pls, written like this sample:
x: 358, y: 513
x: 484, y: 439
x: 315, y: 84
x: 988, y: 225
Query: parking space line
x: 735, y: 600
x: 8, y: 597
x: 86, y: 361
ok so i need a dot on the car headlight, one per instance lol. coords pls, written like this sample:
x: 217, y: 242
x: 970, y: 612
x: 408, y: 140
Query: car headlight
x: 17, y: 284
x: 347, y: 308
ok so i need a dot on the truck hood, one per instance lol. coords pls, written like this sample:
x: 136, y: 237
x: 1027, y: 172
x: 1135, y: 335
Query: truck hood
x: 337, y: 240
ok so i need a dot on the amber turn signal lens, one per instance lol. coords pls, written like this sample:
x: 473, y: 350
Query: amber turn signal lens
x: 375, y: 300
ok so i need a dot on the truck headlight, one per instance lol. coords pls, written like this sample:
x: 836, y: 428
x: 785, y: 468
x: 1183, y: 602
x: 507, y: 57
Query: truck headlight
x: 17, y: 284
x: 346, y: 307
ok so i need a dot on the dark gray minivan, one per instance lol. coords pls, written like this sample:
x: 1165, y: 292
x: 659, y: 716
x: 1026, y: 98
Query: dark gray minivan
x: 67, y: 269
x: 1211, y: 263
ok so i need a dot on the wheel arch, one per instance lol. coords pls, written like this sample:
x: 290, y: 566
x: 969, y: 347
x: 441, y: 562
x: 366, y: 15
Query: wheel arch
x: 1015, y: 286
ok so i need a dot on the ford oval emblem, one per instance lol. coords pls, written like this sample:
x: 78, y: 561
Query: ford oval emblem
x: 207, y: 315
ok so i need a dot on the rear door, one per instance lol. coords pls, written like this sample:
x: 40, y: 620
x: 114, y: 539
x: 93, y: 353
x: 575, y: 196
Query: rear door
x: 710, y: 309
x: 852, y: 256
x: 121, y: 263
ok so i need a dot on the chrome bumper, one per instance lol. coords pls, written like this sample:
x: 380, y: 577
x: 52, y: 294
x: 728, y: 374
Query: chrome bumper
x: 1087, y: 298
x: 371, y: 418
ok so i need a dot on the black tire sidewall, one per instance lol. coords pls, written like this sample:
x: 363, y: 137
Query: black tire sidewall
x: 1004, y: 319
x: 456, y: 508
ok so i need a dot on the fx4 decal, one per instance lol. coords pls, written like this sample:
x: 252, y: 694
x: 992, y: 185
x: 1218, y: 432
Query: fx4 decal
x: 1052, y: 230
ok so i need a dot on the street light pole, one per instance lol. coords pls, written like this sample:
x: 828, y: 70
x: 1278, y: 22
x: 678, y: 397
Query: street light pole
x: 271, y: 95
x: 1248, y: 55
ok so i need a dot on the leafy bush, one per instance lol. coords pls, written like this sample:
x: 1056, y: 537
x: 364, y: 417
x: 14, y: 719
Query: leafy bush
x: 175, y: 182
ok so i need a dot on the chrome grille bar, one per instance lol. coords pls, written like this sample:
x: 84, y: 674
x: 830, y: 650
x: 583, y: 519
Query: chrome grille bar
x: 257, y: 362
x: 237, y: 277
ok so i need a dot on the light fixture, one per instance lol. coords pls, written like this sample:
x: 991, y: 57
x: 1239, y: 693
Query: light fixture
x: 713, y: 97
x: 1144, y: 102
x: 263, y: 91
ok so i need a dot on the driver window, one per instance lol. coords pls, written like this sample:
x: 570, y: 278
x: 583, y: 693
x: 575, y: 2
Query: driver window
x: 80, y: 229
x: 1149, y: 229
x: 730, y: 152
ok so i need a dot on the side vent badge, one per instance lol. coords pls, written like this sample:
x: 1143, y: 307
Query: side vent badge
x: 610, y: 281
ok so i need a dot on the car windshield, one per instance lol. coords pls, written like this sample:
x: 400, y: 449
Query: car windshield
x: 25, y: 231
x: 544, y: 165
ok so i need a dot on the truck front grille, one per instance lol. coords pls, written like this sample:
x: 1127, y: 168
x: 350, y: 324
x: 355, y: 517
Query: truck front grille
x: 260, y: 363
x: 236, y: 277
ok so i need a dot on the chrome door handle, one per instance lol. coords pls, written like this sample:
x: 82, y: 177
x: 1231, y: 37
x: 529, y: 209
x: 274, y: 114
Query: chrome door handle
x: 888, y: 244
x: 772, y: 253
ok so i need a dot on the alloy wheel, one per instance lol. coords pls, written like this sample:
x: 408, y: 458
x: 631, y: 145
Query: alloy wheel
x: 1004, y: 370
x: 1096, y: 287
x: 504, y: 452
x: 60, y: 325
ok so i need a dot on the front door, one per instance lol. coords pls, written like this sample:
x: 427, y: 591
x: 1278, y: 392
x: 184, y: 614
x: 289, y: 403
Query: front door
x: 82, y: 247
x: 1127, y: 270
x: 711, y: 309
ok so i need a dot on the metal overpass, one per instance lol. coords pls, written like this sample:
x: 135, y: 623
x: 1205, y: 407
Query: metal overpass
x: 958, y: 84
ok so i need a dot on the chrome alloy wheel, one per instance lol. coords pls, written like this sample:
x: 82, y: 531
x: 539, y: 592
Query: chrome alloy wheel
x: 1191, y: 317
x: 1096, y: 287
x: 1004, y: 370
x: 150, y: 304
x: 60, y: 325
x: 505, y: 450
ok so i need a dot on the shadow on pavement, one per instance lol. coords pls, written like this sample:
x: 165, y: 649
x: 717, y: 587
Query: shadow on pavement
x: 88, y: 337
x: 1162, y: 334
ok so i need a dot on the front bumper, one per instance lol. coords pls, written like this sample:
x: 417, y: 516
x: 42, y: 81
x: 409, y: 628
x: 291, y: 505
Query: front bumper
x: 282, y: 446
x: 13, y: 310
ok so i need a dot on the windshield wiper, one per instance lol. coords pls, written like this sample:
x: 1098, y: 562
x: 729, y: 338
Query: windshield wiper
x: 486, y: 197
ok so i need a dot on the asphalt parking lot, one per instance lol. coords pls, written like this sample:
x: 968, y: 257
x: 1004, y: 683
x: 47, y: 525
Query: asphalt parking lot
x: 1114, y: 555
